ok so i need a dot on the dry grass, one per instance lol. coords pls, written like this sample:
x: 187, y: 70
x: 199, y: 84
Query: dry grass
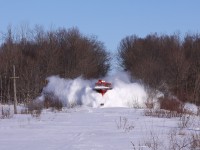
x: 160, y: 113
x: 169, y: 107
x: 124, y: 124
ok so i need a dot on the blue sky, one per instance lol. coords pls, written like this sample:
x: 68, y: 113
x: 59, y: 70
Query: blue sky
x: 109, y: 20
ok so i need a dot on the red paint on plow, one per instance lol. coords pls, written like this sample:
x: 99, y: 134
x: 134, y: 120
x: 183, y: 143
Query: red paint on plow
x: 102, y: 86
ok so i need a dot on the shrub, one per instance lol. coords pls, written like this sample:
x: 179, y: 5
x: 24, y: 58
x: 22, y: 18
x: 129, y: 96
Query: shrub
x: 5, y: 113
x: 160, y: 113
x: 124, y: 124
x: 171, y: 104
x: 53, y: 102
x: 35, y: 108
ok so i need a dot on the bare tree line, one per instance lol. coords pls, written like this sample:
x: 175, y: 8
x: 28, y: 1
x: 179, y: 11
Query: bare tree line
x: 166, y: 63
x: 37, y: 54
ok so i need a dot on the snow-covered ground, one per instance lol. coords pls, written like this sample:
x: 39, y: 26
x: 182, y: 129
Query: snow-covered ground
x: 86, y: 128
x: 118, y: 125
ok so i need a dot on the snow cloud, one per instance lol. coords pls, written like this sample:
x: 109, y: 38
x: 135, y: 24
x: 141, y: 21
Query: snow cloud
x: 80, y: 91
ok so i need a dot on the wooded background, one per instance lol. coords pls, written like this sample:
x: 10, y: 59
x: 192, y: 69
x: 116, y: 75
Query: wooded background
x: 37, y: 54
x: 168, y: 63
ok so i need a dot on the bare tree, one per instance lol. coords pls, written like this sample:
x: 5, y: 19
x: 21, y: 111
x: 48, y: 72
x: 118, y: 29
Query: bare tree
x: 164, y: 63
x: 38, y: 54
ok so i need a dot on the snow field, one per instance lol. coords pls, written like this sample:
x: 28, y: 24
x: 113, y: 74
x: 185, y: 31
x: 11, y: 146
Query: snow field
x: 86, y: 128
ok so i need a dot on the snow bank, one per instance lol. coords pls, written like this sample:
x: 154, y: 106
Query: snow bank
x: 80, y: 91
x: 192, y: 108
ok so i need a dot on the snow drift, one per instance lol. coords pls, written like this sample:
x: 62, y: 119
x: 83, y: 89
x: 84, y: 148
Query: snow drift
x: 80, y: 91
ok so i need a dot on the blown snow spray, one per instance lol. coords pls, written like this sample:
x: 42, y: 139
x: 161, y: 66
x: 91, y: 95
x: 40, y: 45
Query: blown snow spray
x: 124, y: 93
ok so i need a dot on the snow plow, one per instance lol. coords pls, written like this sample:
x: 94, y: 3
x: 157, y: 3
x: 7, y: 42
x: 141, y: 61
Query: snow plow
x: 102, y: 87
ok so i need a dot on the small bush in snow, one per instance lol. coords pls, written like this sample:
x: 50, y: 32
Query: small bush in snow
x: 171, y: 104
x: 5, y: 113
x: 185, y: 141
x: 35, y: 108
x: 185, y: 121
x: 160, y: 113
x: 195, y: 141
x: 149, y: 104
x: 24, y: 111
x: 124, y: 124
x: 153, y: 142
x: 139, y: 146
x: 177, y: 140
x: 52, y: 102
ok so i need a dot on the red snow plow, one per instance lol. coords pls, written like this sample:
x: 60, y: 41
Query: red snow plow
x: 102, y: 86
